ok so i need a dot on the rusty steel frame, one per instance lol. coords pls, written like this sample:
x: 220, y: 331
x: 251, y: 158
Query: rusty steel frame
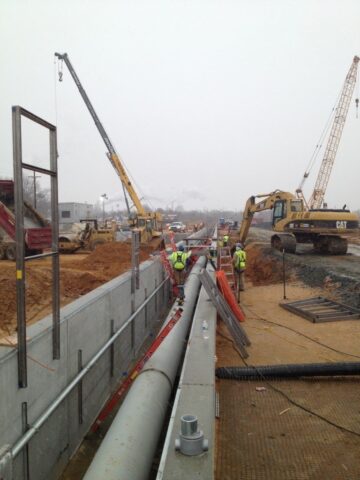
x: 320, y: 310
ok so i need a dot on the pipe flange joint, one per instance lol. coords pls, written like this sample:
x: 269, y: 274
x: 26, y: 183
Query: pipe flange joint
x: 191, y: 440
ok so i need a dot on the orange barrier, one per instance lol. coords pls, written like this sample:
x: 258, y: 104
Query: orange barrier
x: 228, y: 294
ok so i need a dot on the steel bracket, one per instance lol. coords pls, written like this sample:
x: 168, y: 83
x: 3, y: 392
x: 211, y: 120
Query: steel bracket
x: 6, y: 463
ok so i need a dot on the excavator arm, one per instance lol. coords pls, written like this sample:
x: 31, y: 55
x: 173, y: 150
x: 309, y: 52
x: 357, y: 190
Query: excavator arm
x: 252, y: 207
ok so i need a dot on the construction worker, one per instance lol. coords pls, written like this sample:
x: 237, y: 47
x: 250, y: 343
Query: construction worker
x: 225, y: 240
x: 179, y: 261
x: 239, y: 261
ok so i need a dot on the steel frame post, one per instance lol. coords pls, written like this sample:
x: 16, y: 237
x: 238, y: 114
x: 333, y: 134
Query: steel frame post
x: 17, y: 113
x: 80, y: 390
x: 112, y: 348
x: 20, y: 247
x: 55, y: 245
x: 6, y: 463
x: 25, y: 428
x: 135, y: 282
x: 135, y: 261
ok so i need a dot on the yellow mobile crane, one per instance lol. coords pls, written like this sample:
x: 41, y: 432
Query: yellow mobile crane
x: 144, y: 222
x: 293, y: 223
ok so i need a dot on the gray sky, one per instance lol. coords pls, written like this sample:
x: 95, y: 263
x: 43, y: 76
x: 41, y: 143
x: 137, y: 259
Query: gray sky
x: 207, y: 102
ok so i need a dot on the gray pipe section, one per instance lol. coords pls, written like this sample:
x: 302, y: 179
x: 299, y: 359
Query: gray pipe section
x: 128, y: 448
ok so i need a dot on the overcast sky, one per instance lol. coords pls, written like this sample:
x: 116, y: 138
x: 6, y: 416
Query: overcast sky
x: 207, y: 102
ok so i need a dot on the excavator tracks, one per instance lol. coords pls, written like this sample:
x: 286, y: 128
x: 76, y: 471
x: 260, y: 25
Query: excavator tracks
x: 331, y: 245
x: 284, y: 242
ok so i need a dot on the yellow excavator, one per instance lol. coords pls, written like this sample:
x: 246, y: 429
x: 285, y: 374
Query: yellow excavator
x: 298, y: 221
x: 146, y: 223
x: 293, y: 223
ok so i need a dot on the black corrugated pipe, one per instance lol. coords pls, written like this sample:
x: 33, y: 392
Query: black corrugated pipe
x: 289, y: 371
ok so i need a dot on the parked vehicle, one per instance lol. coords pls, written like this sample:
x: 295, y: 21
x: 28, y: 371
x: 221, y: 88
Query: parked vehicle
x: 177, y: 227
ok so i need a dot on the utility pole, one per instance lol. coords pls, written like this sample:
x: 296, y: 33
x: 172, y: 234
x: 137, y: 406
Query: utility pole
x: 34, y: 177
x: 104, y: 197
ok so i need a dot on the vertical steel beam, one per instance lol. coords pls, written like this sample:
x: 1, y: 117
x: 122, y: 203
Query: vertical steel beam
x: 112, y: 349
x: 20, y: 248
x: 80, y: 389
x: 135, y: 257
x: 55, y: 246
x: 145, y: 309
x: 6, y: 463
x: 156, y: 297
x: 25, y: 428
x: 134, y: 281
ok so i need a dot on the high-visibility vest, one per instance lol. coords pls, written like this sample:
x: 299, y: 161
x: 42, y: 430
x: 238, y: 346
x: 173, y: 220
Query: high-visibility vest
x: 178, y: 259
x: 240, y: 259
x: 226, y: 238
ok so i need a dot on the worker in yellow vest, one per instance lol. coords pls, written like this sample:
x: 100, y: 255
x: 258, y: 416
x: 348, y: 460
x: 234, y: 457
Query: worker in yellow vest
x: 225, y: 240
x: 179, y: 260
x: 239, y: 262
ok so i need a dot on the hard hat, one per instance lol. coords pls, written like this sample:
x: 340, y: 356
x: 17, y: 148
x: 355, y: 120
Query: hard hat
x: 181, y: 248
x: 239, y: 246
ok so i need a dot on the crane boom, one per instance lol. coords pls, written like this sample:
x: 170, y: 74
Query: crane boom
x: 112, y: 155
x: 341, y: 112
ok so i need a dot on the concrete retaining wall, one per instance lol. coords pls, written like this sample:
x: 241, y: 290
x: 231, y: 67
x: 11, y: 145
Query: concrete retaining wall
x: 85, y: 326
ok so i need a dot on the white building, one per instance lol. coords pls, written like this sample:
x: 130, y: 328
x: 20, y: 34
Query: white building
x: 71, y: 212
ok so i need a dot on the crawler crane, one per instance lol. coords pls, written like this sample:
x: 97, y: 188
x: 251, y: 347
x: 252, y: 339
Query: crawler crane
x: 293, y: 223
x: 144, y: 222
x: 341, y: 111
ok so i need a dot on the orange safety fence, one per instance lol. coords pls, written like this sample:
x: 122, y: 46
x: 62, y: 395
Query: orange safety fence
x: 228, y: 294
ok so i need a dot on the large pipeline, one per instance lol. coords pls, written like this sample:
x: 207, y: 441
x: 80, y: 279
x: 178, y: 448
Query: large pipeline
x: 128, y: 448
x: 289, y: 371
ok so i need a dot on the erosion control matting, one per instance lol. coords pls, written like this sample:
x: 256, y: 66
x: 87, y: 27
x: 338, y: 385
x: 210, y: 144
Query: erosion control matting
x: 320, y: 309
x: 262, y: 436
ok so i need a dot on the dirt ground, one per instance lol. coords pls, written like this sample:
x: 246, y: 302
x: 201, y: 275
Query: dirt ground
x: 79, y: 274
x: 262, y: 434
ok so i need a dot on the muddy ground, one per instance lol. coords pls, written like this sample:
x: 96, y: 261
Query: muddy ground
x: 338, y: 274
x: 79, y: 274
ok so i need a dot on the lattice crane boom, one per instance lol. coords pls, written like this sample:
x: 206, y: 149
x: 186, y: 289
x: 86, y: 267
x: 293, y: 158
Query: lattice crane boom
x: 317, y: 197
